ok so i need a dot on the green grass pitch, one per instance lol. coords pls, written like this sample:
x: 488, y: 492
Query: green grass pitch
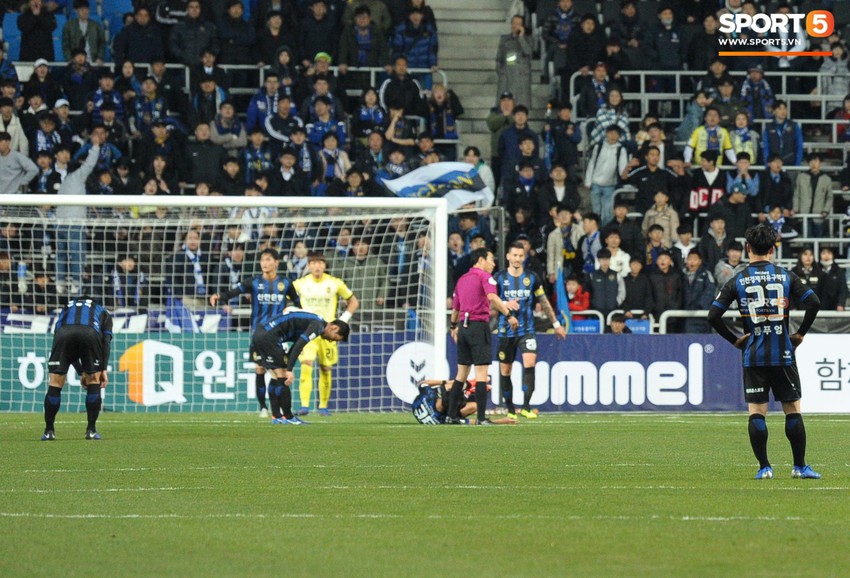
x: 377, y: 495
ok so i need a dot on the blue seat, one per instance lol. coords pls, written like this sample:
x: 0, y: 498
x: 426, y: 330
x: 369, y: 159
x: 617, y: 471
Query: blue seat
x: 639, y: 326
x: 117, y: 7
x: 10, y: 26
x: 114, y: 24
x: 13, y: 48
x: 586, y: 326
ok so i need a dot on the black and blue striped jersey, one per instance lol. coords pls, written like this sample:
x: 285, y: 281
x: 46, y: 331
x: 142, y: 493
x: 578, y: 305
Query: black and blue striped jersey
x: 87, y: 312
x: 268, y: 298
x: 765, y: 293
x: 524, y: 288
x: 295, y: 324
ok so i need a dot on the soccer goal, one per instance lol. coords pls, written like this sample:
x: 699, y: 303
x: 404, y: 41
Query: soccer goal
x: 155, y: 260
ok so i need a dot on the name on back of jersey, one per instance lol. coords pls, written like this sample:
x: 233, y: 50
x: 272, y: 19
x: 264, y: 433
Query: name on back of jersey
x: 761, y: 277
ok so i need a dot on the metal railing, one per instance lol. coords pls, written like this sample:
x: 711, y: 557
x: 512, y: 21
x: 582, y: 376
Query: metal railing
x: 25, y: 70
x: 684, y: 88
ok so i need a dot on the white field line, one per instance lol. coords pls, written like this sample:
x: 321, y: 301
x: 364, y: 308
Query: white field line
x: 104, y: 490
x: 378, y: 516
x: 761, y: 487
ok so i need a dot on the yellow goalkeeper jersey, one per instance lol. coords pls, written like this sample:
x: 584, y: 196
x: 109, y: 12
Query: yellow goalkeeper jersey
x: 322, y: 297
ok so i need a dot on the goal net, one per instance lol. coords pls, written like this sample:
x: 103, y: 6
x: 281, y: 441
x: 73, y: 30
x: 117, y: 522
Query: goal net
x: 154, y: 261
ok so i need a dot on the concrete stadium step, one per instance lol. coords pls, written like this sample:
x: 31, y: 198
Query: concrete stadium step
x: 471, y: 5
x: 474, y: 78
x: 482, y: 44
x: 494, y: 29
x: 465, y: 14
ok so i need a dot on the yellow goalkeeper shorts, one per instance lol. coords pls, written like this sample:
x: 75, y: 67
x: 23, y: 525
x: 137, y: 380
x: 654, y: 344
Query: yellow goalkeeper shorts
x: 324, y: 349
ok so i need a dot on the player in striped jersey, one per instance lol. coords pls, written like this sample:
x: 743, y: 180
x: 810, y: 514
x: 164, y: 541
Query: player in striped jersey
x: 764, y: 293
x: 517, y: 284
x: 82, y: 336
x: 320, y: 294
x: 432, y: 403
x: 278, y: 343
x: 270, y: 293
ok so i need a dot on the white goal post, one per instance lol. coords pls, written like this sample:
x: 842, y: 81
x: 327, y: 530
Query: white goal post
x: 173, y: 351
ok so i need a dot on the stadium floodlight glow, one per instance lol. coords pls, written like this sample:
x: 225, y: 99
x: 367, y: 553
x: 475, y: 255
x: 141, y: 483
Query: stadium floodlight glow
x: 195, y: 358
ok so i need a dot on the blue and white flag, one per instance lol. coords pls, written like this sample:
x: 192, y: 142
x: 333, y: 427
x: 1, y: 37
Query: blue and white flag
x: 178, y: 318
x: 459, y: 183
x: 563, y: 302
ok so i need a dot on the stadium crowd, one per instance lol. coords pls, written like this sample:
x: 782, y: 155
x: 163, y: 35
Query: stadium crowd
x: 278, y: 104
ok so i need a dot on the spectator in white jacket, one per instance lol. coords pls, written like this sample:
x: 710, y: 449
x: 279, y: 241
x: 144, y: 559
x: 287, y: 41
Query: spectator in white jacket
x: 608, y: 160
x: 10, y: 123
x: 16, y: 169
x: 619, y: 258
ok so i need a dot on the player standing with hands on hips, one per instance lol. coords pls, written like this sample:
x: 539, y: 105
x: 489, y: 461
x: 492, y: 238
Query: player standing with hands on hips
x: 764, y: 293
x: 474, y: 293
x: 524, y: 287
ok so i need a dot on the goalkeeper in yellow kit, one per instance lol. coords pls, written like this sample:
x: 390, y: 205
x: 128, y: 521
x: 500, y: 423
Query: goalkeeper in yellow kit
x: 320, y: 294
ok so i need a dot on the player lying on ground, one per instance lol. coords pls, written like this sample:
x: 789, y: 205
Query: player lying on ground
x: 82, y: 336
x: 277, y: 345
x: 432, y: 403
x: 764, y: 293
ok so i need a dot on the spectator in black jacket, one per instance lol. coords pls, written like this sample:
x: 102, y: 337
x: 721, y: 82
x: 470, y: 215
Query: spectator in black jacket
x: 715, y: 242
x: 287, y: 180
x: 162, y: 141
x: 666, y: 284
x: 237, y: 38
x: 704, y: 45
x: 274, y: 36
x: 140, y: 41
x: 36, y: 24
x: 633, y: 241
x: 638, y: 301
x: 400, y: 90
x: 190, y: 37
x: 318, y: 33
x: 834, y: 296
x: 776, y: 189
x: 205, y: 157
x: 698, y: 291
x: 735, y: 210
x: 629, y: 31
x: 585, y: 48
x: 362, y: 44
x: 560, y: 189
x: 187, y: 272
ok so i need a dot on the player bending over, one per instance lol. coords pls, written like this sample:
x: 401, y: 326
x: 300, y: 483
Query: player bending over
x: 82, y: 336
x: 764, y: 293
x: 277, y: 345
x: 515, y: 284
x: 269, y: 295
x: 319, y: 294
x: 432, y: 403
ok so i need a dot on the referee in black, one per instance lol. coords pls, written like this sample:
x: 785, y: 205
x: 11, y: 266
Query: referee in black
x: 470, y: 325
x: 82, y: 336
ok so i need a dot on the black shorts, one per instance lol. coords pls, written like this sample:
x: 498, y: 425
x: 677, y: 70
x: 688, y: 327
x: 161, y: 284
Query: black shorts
x: 267, y: 350
x: 77, y: 345
x: 508, y: 347
x: 784, y: 381
x: 473, y: 344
